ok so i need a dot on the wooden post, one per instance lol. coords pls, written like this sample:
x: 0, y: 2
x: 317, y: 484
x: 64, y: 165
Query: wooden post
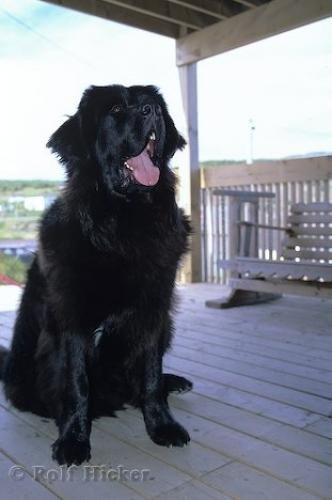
x: 190, y: 183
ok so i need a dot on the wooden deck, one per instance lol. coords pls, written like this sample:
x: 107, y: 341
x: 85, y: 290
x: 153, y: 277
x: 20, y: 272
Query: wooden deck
x: 260, y: 415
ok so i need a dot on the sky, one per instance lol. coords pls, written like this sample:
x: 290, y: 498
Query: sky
x: 49, y: 55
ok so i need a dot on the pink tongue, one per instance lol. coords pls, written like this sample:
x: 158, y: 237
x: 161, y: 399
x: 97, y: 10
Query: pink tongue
x: 144, y: 170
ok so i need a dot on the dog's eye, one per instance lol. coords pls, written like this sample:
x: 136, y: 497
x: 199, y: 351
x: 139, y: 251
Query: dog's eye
x: 116, y: 108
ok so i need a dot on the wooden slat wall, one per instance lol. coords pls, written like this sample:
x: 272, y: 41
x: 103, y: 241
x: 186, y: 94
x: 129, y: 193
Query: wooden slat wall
x: 293, y: 181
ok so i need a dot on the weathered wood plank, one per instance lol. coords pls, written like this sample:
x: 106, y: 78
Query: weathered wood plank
x: 241, y: 481
x: 284, y: 465
x: 298, y: 440
x: 270, y: 19
x: 311, y: 207
x: 281, y: 269
x: 306, y: 289
x: 254, y: 371
x: 25, y: 439
x: 308, y: 242
x: 253, y: 329
x: 274, y: 392
x: 195, y: 490
x: 233, y: 345
x: 23, y: 486
x: 256, y: 359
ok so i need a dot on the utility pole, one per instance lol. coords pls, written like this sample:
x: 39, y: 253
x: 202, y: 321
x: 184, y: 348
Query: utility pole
x: 252, y: 129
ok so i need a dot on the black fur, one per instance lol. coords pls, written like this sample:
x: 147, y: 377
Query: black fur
x: 95, y: 317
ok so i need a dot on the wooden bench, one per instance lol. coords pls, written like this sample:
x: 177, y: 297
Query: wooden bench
x: 305, y: 264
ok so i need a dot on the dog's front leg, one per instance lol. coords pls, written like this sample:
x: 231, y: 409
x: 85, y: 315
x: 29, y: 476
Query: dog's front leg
x: 160, y: 425
x: 73, y: 419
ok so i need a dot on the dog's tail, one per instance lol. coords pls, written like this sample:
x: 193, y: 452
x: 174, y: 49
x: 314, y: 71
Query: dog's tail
x: 3, y: 354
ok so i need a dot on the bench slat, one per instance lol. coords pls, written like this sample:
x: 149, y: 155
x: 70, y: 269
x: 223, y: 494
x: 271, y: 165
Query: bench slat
x: 307, y: 242
x: 307, y: 254
x: 312, y: 231
x: 317, y: 289
x: 280, y: 269
x: 311, y: 207
x: 310, y: 219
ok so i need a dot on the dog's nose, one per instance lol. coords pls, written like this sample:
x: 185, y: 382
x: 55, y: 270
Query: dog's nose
x: 146, y: 109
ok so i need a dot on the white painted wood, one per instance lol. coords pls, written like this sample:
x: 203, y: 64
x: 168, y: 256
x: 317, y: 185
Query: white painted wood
x: 270, y: 19
x: 189, y: 172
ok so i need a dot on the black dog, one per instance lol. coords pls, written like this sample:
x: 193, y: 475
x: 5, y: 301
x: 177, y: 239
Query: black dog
x: 95, y: 321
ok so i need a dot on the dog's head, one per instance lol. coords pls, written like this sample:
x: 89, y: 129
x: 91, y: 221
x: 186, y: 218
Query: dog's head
x: 122, y: 136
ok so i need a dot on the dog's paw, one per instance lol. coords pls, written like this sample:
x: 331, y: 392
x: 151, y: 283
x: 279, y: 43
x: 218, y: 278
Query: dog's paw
x: 68, y: 451
x: 175, y: 383
x: 172, y: 434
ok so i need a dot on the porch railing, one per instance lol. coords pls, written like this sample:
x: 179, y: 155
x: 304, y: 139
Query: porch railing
x: 292, y: 181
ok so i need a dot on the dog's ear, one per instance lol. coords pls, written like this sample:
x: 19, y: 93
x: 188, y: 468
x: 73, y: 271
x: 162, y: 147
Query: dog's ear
x: 67, y: 142
x: 174, y: 139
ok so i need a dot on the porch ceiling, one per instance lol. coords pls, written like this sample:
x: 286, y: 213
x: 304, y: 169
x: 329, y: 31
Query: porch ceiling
x: 173, y: 18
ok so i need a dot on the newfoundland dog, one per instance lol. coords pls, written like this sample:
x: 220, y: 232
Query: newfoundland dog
x: 95, y: 317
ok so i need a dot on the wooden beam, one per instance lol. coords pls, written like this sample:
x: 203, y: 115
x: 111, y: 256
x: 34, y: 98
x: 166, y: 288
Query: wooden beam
x: 250, y: 3
x: 270, y: 19
x: 199, y: 8
x: 218, y: 10
x: 118, y: 14
x: 189, y: 173
x: 156, y: 10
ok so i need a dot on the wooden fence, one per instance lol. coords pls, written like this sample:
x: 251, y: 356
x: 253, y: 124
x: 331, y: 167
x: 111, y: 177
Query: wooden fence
x: 292, y: 181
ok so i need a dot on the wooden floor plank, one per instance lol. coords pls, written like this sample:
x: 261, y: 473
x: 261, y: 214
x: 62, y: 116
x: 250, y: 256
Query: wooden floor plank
x: 302, y: 472
x: 302, y: 442
x: 15, y: 482
x: 242, y: 481
x: 253, y: 370
x: 195, y: 459
x: 256, y: 359
x: 234, y: 343
x: 231, y: 398
x: 259, y: 415
x: 246, y: 330
x: 31, y: 446
x: 274, y: 392
x: 195, y: 490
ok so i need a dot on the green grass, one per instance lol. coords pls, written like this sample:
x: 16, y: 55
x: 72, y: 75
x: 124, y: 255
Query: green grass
x: 28, y: 188
x: 18, y: 229
x: 13, y: 267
